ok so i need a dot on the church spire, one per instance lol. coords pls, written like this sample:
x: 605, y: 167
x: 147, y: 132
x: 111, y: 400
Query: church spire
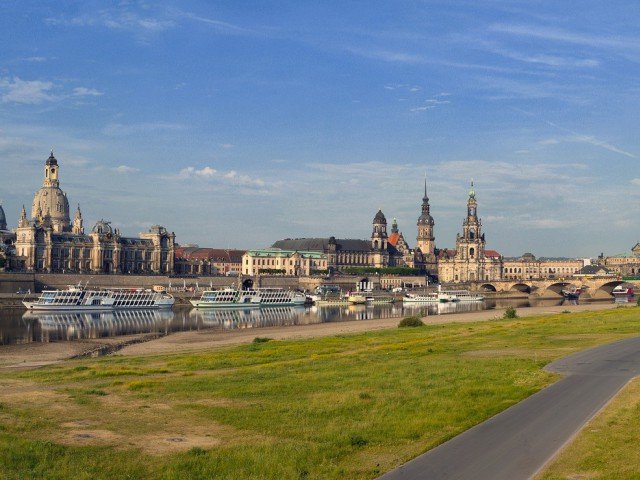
x: 78, y: 227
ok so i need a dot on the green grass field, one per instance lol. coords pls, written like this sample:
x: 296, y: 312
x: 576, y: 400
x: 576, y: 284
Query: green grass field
x: 336, y: 407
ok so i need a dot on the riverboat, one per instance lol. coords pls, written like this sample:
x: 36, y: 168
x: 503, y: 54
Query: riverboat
x: 623, y: 292
x: 356, y: 299
x: 420, y: 298
x: 227, y: 298
x: 572, y: 293
x: 445, y: 296
x: 261, y: 297
x: 278, y: 297
x: 139, y: 298
x: 74, y: 298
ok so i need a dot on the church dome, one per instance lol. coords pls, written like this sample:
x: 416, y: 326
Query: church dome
x: 53, y: 201
x: 50, y: 200
x: 103, y: 228
x: 425, y: 219
x: 380, y: 218
x: 3, y: 219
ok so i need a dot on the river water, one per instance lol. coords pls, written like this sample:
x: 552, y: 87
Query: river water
x: 18, y: 326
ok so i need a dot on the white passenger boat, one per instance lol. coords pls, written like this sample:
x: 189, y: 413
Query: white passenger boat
x: 227, y: 298
x: 278, y: 297
x: 135, y: 298
x: 445, y: 296
x: 420, y: 298
x: 74, y: 298
x: 261, y: 297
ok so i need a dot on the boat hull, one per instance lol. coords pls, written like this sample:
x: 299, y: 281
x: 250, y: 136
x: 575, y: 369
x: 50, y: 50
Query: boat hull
x: 35, y: 307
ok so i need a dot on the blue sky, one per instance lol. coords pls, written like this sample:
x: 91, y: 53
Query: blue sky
x: 238, y: 123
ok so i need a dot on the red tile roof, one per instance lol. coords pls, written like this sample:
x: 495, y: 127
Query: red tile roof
x: 492, y: 254
x: 393, y: 239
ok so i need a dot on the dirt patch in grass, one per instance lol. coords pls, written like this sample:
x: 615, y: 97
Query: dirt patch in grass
x: 82, y: 437
x: 164, y: 443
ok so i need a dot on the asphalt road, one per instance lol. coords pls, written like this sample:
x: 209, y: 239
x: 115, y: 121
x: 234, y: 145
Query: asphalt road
x: 518, y: 442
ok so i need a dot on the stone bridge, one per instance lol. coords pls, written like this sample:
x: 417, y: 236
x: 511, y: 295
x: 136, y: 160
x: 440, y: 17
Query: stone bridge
x: 592, y: 287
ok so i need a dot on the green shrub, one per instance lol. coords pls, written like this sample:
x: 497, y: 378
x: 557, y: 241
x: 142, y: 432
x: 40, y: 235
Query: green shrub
x: 638, y: 301
x: 262, y: 339
x: 358, y: 441
x: 411, y: 322
x: 510, y: 313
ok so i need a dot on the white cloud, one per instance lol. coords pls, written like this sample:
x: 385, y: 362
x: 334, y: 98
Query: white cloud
x: 635, y: 181
x: 232, y: 177
x: 227, y: 145
x: 83, y: 92
x: 192, y: 172
x: 126, y: 169
x: 16, y: 90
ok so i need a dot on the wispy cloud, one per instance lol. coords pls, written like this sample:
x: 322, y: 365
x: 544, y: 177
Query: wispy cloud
x: 125, y: 169
x: 86, y: 92
x: 16, y: 90
x: 229, y: 177
x: 559, y: 35
x: 387, y: 55
x: 588, y: 139
x: 120, y: 130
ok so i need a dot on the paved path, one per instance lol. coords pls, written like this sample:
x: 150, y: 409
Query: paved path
x: 518, y: 442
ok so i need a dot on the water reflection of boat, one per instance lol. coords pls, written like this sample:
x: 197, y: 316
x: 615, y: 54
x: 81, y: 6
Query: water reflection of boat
x: 76, y: 325
x: 234, y: 318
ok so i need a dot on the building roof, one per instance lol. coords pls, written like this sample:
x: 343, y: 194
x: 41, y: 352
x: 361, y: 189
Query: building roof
x: 215, y: 254
x: 492, y: 254
x: 393, y: 239
x: 322, y: 244
x: 279, y: 253
x: 380, y: 218
x: 593, y: 270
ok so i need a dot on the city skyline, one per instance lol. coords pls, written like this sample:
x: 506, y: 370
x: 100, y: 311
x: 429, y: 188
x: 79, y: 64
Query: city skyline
x: 303, y: 121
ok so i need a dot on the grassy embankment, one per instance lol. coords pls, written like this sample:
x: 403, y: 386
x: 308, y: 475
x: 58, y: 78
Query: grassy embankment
x: 336, y: 407
x: 607, y: 447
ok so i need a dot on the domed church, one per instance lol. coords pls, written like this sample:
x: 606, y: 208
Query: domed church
x: 50, y: 242
x: 50, y: 201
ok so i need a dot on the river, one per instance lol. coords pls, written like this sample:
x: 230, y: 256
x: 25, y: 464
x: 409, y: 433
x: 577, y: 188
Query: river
x: 18, y: 326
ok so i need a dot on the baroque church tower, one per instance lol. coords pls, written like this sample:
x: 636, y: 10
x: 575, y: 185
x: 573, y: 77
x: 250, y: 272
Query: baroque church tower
x: 470, y: 246
x: 426, y: 240
x: 379, y: 241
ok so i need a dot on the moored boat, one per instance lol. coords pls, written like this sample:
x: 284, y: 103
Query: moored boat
x: 572, y: 293
x: 74, y: 298
x: 459, y: 296
x: 420, y: 298
x: 356, y: 299
x: 227, y: 298
x: 622, y: 291
x: 140, y: 298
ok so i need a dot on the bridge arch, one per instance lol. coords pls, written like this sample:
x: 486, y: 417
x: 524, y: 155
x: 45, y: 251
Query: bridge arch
x: 604, y: 290
x: 557, y: 287
x: 520, y: 287
x: 488, y: 287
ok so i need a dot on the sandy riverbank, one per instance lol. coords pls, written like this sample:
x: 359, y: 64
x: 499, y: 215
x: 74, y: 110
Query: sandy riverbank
x: 207, y: 340
x: 33, y: 355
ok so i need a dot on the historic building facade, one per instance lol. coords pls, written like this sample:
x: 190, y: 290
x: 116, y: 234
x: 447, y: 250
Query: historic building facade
x: 528, y: 267
x: 383, y: 250
x: 286, y: 262
x: 50, y: 242
x: 193, y: 260
x: 470, y: 261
